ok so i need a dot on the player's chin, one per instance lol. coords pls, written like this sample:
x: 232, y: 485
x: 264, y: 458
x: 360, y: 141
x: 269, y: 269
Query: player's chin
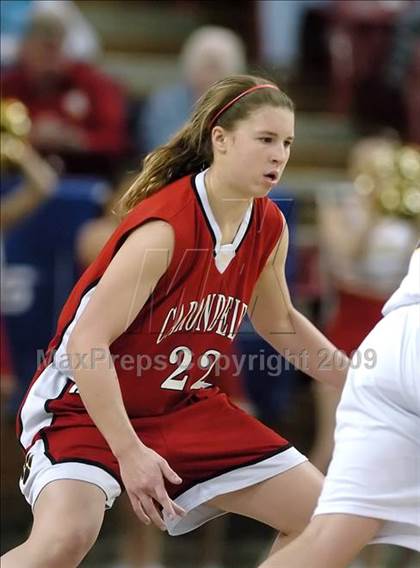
x: 262, y: 189
x: 259, y: 189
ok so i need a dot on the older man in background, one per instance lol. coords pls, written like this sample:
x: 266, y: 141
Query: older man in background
x: 77, y: 112
x: 209, y: 54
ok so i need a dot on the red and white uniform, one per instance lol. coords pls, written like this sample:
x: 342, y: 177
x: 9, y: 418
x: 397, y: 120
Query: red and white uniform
x: 168, y: 362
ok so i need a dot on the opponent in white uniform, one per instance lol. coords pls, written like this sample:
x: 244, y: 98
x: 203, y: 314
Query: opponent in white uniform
x: 372, y: 490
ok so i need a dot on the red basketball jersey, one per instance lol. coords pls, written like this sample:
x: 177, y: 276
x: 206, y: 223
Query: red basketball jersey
x: 177, y: 341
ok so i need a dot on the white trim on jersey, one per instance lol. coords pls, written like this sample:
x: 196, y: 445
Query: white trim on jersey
x: 224, y: 254
x: 41, y: 472
x: 194, y: 501
x: 49, y: 385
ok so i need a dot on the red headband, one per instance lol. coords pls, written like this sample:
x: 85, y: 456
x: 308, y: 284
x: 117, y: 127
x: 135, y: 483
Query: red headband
x: 233, y: 101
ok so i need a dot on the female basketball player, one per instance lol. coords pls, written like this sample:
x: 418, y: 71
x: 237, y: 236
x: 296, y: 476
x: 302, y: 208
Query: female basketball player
x: 127, y: 396
x: 372, y: 489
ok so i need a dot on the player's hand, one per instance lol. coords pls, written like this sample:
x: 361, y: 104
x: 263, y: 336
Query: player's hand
x: 143, y: 473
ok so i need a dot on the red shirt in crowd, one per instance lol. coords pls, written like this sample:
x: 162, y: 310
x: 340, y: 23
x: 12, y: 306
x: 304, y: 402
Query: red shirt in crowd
x: 81, y: 97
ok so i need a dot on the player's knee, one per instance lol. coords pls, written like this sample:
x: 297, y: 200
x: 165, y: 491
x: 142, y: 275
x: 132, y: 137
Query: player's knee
x: 78, y: 540
x: 67, y: 546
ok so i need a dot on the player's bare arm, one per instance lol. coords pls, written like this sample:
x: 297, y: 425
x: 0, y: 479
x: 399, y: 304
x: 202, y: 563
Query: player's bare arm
x: 276, y: 319
x: 131, y: 277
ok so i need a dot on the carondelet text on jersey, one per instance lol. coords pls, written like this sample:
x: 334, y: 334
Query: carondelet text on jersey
x: 214, y: 313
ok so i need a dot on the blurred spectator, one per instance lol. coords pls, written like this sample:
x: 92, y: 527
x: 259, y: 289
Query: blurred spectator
x: 38, y: 184
x: 368, y: 235
x: 403, y: 69
x: 76, y: 112
x: 82, y: 41
x: 39, y: 181
x: 281, y: 27
x: 209, y: 54
x: 360, y: 43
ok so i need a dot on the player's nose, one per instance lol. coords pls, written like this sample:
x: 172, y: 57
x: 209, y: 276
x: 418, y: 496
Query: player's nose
x: 279, y: 154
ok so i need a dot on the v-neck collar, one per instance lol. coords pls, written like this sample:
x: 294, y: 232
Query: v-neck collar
x: 223, y: 253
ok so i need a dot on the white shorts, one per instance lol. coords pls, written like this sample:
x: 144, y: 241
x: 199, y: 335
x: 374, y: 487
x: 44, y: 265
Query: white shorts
x: 375, y: 469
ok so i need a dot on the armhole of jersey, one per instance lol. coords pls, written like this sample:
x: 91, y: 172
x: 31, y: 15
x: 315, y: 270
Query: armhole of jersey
x: 283, y: 227
x: 278, y: 238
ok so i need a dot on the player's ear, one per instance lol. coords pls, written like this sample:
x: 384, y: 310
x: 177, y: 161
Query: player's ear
x: 219, y: 139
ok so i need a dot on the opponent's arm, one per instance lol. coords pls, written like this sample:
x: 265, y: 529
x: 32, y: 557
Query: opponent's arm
x: 275, y: 318
x: 121, y: 293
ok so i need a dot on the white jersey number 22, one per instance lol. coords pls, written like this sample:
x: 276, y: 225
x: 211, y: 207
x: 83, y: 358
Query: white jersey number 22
x: 177, y: 379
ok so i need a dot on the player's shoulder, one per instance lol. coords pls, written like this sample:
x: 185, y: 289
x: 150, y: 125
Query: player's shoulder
x: 154, y: 232
x: 169, y: 201
x: 166, y: 212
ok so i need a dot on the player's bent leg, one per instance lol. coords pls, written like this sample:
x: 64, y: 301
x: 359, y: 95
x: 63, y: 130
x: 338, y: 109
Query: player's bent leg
x: 285, y: 502
x: 332, y: 540
x: 68, y: 516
